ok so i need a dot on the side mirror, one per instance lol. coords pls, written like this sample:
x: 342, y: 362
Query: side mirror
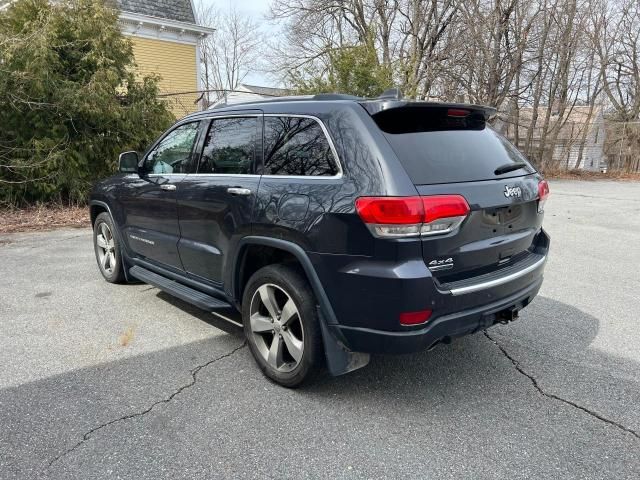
x: 128, y: 162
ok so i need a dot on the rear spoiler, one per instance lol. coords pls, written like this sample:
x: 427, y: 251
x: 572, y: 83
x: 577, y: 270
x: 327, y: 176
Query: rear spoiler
x: 383, y: 104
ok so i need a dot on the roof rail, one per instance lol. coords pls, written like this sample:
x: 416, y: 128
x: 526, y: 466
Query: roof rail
x: 390, y: 99
x: 291, y: 98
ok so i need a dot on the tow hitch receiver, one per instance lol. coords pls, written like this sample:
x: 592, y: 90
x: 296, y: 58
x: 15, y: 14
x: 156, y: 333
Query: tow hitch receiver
x: 508, y: 315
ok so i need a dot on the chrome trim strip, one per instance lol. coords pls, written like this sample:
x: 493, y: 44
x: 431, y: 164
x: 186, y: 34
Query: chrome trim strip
x: 155, y: 175
x: 203, y: 174
x: 497, y: 281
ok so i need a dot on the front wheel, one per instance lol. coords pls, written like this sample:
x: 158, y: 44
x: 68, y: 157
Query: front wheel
x: 107, y: 249
x: 281, y: 325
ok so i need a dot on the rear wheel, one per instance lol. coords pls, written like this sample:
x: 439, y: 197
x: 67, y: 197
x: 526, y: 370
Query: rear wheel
x: 107, y: 249
x: 281, y: 325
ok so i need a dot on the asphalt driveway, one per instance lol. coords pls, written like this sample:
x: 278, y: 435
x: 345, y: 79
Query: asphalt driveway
x: 105, y: 381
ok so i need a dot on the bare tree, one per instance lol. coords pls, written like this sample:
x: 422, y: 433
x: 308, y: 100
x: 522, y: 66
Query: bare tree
x: 542, y: 63
x: 617, y: 43
x: 408, y: 34
x: 231, y: 52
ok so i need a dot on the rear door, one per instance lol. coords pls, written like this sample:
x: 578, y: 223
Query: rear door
x: 453, y: 151
x: 149, y: 202
x: 215, y: 204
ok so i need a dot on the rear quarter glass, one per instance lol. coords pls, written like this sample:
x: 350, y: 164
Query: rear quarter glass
x: 434, y: 147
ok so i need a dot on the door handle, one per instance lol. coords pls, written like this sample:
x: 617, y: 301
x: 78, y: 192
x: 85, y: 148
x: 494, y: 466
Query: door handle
x: 168, y: 186
x: 238, y: 191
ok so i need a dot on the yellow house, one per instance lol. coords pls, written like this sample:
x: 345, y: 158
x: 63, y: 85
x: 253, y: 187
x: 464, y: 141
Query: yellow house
x: 166, y: 41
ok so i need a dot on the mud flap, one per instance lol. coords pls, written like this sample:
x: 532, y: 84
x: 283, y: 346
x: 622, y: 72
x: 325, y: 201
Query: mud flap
x: 340, y: 360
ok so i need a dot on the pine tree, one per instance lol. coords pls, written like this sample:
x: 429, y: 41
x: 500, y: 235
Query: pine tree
x: 69, y: 99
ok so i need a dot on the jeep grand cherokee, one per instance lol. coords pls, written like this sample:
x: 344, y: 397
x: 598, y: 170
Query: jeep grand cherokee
x: 331, y: 227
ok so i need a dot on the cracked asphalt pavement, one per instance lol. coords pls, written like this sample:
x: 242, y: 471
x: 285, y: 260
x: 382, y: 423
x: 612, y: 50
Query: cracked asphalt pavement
x: 123, y: 381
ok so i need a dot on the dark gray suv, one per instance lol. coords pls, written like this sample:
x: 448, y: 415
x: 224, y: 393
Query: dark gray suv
x: 330, y: 227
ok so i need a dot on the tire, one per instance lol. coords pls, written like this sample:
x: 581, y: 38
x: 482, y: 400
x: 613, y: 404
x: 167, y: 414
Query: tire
x: 288, y: 350
x: 108, y: 253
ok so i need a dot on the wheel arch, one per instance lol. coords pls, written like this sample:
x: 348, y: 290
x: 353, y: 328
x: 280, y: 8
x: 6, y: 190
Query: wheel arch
x: 340, y: 360
x: 291, y: 250
x: 96, y: 207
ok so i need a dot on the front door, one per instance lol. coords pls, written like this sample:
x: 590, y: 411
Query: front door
x: 215, y: 204
x: 151, y: 227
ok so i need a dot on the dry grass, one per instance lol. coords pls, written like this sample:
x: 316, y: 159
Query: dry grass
x: 127, y: 337
x: 42, y: 217
x: 579, y: 174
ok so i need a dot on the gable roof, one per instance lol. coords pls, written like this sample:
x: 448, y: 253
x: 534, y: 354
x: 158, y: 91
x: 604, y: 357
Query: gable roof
x: 179, y: 10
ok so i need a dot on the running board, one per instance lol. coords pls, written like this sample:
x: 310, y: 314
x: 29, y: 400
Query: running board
x: 188, y: 294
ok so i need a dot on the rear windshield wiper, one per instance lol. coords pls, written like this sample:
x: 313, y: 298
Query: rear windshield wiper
x: 509, y: 167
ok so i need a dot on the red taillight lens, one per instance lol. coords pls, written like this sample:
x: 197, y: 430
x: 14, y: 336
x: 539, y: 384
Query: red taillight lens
x: 414, y: 318
x: 543, y: 193
x: 390, y: 210
x: 412, y: 216
x: 543, y: 189
x: 444, y: 206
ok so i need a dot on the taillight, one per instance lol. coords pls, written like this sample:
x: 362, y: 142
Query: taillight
x: 443, y: 213
x: 543, y: 193
x: 392, y: 217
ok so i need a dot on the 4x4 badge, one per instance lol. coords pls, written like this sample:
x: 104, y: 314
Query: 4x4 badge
x: 444, y: 264
x: 512, y: 191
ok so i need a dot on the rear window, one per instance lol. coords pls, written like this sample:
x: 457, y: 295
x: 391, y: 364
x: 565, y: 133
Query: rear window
x: 444, y: 146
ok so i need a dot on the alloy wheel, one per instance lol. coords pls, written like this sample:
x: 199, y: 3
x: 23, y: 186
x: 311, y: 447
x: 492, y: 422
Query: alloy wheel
x: 276, y: 327
x: 106, y: 249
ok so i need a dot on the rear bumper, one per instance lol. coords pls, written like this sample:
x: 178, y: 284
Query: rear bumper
x: 441, y: 329
x: 369, y: 295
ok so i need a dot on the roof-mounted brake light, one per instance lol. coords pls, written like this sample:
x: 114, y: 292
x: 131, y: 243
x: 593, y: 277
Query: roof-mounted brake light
x: 458, y: 112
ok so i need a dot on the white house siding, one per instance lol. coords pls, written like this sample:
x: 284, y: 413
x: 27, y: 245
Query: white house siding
x: 250, y: 93
x: 593, y: 150
x: 569, y: 141
x: 239, y: 97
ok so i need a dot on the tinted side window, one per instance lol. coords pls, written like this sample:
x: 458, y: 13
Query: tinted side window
x: 173, y: 153
x: 296, y: 146
x: 229, y: 146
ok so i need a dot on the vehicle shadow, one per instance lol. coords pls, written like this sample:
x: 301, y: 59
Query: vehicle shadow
x: 466, y: 390
x: 552, y: 322
x: 200, y: 314
x: 551, y: 343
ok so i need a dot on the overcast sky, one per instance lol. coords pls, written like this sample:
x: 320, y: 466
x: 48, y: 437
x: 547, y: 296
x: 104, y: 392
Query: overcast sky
x: 253, y: 7
x: 257, y: 9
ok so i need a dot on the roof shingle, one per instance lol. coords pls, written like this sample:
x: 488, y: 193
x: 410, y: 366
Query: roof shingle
x: 179, y: 10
